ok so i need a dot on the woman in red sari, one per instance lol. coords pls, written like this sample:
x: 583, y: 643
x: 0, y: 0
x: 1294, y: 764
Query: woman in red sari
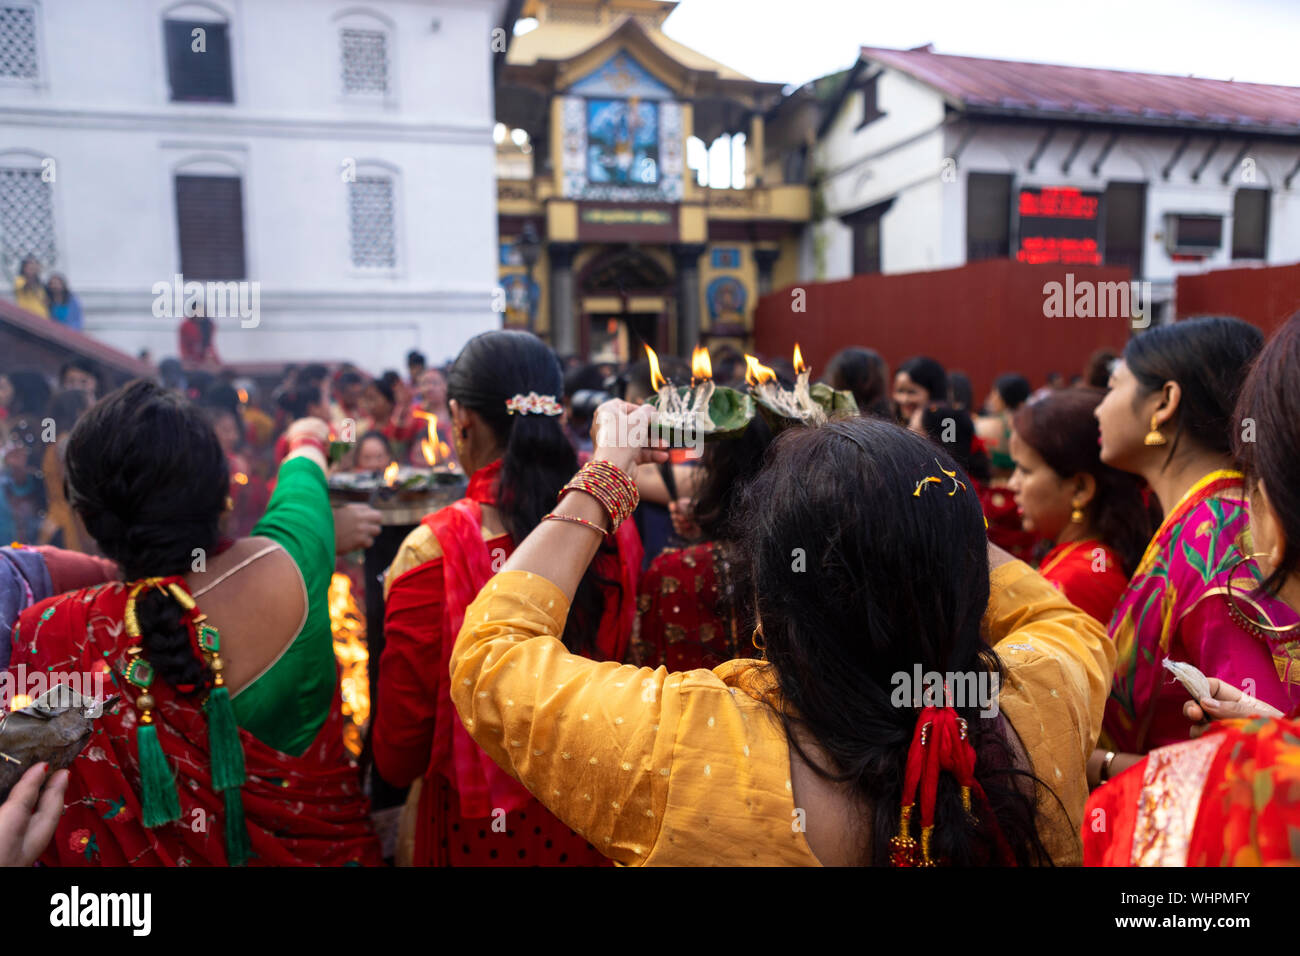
x: 226, y: 745
x: 1230, y: 797
x: 1094, y: 515
x: 504, y: 389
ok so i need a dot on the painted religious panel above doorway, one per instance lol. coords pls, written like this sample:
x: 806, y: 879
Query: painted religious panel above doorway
x: 622, y: 136
x: 621, y: 77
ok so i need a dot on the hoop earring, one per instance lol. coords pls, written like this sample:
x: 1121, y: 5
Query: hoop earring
x: 758, y: 631
x: 1154, y: 437
x: 1240, y: 615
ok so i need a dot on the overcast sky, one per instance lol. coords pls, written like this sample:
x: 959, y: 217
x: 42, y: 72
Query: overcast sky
x: 794, y: 41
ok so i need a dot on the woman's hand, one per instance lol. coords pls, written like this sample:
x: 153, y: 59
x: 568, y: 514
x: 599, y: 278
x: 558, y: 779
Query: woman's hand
x: 1224, y: 703
x: 314, y: 427
x: 29, y: 816
x: 356, y: 526
x: 624, y: 435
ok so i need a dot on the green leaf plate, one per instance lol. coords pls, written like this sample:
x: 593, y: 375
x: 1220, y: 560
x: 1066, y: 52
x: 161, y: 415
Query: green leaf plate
x: 730, y: 410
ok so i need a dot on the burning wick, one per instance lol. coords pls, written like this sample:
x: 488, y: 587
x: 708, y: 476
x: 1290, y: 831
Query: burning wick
x: 790, y: 404
x: 689, y: 411
x: 390, y: 474
x: 433, y: 448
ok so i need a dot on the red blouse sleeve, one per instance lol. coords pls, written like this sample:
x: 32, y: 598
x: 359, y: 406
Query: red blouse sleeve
x: 410, y: 679
x: 72, y: 570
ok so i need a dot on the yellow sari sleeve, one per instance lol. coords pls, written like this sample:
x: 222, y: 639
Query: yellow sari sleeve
x: 1059, y: 665
x: 583, y: 736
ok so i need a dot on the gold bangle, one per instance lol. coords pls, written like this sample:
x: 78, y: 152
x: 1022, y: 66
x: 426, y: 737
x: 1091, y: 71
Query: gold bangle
x: 576, y: 520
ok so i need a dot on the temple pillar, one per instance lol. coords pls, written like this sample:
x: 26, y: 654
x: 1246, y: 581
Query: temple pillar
x: 686, y: 257
x: 765, y: 259
x: 564, y: 316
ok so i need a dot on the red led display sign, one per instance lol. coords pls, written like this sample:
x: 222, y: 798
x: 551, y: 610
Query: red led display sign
x: 1059, y: 224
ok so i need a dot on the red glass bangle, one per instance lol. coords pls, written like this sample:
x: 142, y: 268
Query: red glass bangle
x: 615, y: 491
x: 299, y: 440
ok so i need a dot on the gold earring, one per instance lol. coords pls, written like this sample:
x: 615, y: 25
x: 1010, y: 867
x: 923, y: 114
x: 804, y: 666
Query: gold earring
x: 1077, y: 515
x: 230, y: 503
x: 754, y: 639
x: 1154, y: 437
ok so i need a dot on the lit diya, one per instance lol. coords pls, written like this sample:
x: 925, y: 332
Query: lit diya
x: 701, y: 410
x: 403, y: 488
x: 804, y: 404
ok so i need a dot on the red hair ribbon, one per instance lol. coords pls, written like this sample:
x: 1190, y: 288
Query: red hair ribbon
x: 941, y: 742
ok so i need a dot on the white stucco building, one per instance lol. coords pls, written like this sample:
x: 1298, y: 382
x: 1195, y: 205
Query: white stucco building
x: 927, y: 161
x: 336, y: 154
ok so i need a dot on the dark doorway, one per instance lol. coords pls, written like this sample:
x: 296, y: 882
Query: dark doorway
x: 622, y: 337
x: 625, y: 272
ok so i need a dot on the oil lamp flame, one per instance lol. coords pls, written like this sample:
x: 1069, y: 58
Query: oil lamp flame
x: 348, y: 625
x: 799, y: 365
x: 20, y: 701
x: 431, y: 447
x: 657, y: 380
x: 243, y: 397
x: 701, y: 367
x: 390, y: 473
x: 240, y: 478
x: 757, y: 373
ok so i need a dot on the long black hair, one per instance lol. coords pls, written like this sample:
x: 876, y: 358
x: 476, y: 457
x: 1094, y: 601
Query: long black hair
x: 1062, y: 428
x: 864, y: 373
x: 887, y: 580
x: 145, y: 472
x: 538, y: 459
x: 1208, y: 358
x: 929, y: 374
x: 1266, y: 438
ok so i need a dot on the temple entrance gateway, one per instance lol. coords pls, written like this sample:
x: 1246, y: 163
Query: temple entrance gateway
x: 610, y: 233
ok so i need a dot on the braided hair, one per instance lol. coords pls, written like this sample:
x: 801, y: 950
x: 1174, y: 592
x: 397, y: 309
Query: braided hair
x: 145, y: 472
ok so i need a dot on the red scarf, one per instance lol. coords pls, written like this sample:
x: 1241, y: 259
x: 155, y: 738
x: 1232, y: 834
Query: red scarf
x: 467, y: 566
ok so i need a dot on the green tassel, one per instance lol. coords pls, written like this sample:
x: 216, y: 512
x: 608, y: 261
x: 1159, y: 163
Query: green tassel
x: 237, y: 846
x: 224, y: 746
x: 157, y: 784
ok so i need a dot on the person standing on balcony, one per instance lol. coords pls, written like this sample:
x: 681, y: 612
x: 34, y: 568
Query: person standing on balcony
x: 64, y: 306
x: 29, y: 293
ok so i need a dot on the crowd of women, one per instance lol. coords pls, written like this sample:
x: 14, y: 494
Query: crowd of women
x: 609, y: 653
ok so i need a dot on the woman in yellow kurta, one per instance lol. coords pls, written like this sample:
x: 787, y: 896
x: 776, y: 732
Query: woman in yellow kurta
x: 29, y: 293
x: 867, y: 573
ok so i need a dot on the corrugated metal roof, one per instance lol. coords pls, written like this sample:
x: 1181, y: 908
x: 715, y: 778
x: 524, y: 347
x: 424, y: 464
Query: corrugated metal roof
x: 1094, y: 95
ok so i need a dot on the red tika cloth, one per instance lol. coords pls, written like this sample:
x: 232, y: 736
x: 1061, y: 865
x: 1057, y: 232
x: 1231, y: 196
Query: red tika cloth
x: 300, y: 811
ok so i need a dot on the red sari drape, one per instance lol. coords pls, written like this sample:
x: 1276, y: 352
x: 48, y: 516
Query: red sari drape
x: 464, y: 792
x: 300, y: 811
x: 1229, y: 798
